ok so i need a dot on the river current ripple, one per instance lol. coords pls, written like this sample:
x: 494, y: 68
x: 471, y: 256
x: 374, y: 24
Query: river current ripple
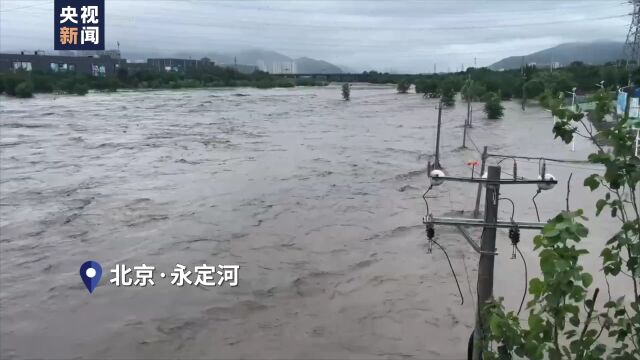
x: 317, y: 199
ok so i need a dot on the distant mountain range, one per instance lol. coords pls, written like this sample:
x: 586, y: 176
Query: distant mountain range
x: 266, y: 59
x: 597, y: 52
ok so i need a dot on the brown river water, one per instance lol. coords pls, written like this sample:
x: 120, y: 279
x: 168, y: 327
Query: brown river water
x: 317, y: 199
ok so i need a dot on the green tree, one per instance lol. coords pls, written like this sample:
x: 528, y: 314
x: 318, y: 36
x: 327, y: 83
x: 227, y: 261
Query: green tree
x: 346, y: 91
x: 534, y: 88
x: 493, y: 108
x: 428, y: 87
x: 80, y: 89
x: 472, y: 90
x: 403, y: 87
x: 24, y: 90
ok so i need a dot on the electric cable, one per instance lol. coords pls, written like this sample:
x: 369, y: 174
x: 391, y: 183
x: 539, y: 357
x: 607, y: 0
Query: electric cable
x: 473, y: 143
x: 424, y: 197
x: 536, y: 205
x: 452, y: 271
x: 526, y: 279
x: 513, y: 206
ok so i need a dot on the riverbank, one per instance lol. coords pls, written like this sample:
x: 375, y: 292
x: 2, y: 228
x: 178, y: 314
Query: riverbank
x: 26, y: 84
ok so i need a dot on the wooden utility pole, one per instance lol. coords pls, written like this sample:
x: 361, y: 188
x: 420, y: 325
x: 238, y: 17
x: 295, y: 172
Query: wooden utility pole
x: 487, y: 248
x: 467, y: 122
x: 437, y: 161
x: 476, y: 211
x: 464, y: 134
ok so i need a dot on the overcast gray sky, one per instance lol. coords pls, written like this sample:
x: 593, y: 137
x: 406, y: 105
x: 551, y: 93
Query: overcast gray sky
x: 404, y: 36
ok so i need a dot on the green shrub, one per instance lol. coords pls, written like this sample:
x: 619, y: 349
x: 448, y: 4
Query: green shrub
x: 265, y: 84
x: 346, y: 91
x: 533, y: 88
x: 24, y: 90
x: 488, y: 96
x: 10, y: 84
x: 80, y: 89
x: 285, y: 83
x: 424, y: 86
x: 493, y: 108
x: 448, y: 97
x: 403, y: 87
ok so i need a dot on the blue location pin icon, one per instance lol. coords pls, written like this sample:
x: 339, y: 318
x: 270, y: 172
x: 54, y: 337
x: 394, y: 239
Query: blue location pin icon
x: 90, y: 272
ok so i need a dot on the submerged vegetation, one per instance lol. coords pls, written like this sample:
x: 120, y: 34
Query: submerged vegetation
x: 474, y: 83
x: 80, y: 84
x: 403, y: 86
x: 493, y: 108
x: 346, y: 91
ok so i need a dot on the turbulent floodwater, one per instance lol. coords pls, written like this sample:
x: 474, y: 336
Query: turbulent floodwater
x: 318, y: 200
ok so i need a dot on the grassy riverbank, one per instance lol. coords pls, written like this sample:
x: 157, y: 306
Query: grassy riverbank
x: 26, y: 84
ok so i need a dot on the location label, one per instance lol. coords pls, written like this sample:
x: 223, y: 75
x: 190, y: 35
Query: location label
x: 90, y: 272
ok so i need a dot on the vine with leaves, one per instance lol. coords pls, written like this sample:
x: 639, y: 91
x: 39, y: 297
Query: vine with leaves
x: 567, y: 317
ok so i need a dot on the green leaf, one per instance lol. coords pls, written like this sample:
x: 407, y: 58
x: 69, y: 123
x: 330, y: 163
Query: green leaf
x: 587, y: 279
x: 600, y: 204
x: 592, y: 182
x: 536, y: 286
x: 582, y: 230
x: 574, y: 321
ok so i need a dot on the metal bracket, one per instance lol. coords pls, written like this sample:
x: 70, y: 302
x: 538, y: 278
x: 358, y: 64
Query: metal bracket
x: 495, y: 182
x: 473, y: 244
x: 479, y: 222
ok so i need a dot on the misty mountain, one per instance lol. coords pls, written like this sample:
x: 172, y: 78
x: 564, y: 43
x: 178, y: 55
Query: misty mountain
x: 597, y: 52
x: 307, y: 65
x: 252, y: 57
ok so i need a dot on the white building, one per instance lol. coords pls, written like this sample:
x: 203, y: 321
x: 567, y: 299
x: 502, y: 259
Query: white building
x: 278, y: 67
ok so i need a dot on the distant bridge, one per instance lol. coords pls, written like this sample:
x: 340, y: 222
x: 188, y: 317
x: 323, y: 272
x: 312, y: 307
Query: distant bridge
x: 349, y: 77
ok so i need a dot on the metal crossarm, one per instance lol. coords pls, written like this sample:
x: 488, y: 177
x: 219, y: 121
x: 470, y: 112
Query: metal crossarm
x: 479, y: 222
x: 500, y: 181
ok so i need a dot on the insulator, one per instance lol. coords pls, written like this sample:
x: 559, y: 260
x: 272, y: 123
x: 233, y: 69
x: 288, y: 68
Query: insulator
x: 514, y: 235
x: 430, y: 232
x: 515, y: 170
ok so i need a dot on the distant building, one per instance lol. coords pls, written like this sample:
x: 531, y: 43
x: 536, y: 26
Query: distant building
x: 178, y: 65
x: 95, y: 66
x: 114, y: 54
x: 261, y: 65
x: 283, y: 67
x: 242, y: 68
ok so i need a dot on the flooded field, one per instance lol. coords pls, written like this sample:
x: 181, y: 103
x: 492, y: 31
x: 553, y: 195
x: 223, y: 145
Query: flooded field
x: 318, y: 200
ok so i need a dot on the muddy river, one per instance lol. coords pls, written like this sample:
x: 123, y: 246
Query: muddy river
x: 317, y: 200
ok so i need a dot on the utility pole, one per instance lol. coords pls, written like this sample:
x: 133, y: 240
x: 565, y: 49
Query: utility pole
x: 487, y: 248
x: 434, y: 68
x: 467, y: 122
x: 437, y: 161
x: 464, y: 134
x: 476, y: 211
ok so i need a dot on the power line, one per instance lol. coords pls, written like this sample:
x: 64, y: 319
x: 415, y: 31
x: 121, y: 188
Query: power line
x: 335, y: 26
x: 25, y: 7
